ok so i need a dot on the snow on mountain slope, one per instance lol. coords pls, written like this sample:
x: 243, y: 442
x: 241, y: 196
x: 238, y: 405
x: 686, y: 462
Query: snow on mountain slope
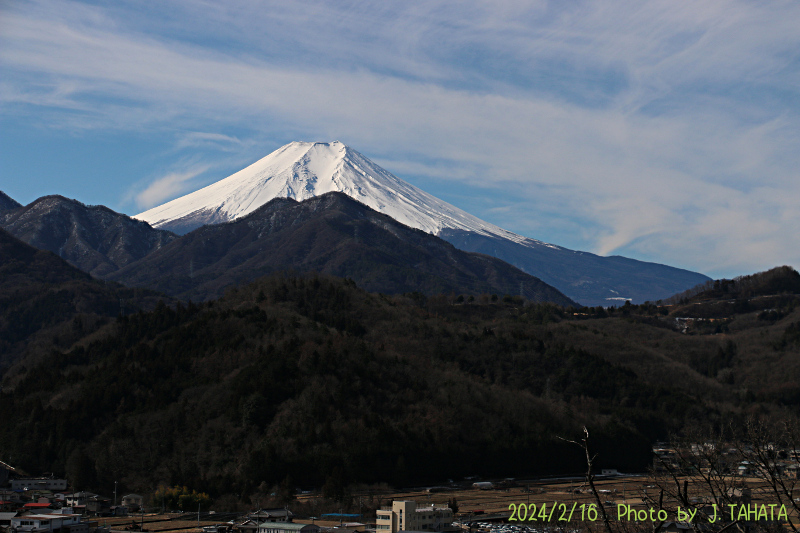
x: 301, y: 170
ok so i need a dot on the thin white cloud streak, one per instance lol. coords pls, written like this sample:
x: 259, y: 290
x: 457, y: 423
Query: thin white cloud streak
x: 167, y: 187
x: 219, y: 141
x: 663, y: 169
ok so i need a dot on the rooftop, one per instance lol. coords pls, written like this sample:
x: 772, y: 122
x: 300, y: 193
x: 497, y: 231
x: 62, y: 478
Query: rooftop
x: 284, y: 525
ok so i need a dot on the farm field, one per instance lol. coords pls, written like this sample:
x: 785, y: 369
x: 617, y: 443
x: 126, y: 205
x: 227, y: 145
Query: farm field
x: 158, y: 522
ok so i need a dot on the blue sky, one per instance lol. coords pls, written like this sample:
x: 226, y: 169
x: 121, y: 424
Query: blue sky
x: 660, y: 130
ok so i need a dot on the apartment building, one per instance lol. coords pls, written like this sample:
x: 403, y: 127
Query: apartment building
x: 406, y: 516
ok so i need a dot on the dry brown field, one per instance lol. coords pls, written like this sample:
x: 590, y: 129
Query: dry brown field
x: 155, y: 522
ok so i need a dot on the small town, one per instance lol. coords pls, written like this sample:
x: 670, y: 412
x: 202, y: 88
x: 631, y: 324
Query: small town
x: 48, y: 504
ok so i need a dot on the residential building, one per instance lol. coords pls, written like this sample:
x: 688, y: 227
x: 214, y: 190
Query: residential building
x: 37, y: 506
x: 5, y: 519
x: 40, y: 523
x: 255, y: 520
x: 406, y: 516
x: 272, y: 515
x: 133, y: 502
x: 79, y: 498
x: 287, y: 527
x: 99, y: 505
x: 247, y: 526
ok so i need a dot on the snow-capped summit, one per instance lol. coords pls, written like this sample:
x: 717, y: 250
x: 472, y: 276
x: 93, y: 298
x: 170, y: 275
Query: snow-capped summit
x: 301, y: 170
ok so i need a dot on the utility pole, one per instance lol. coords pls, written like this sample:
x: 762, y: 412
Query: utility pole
x: 115, y: 484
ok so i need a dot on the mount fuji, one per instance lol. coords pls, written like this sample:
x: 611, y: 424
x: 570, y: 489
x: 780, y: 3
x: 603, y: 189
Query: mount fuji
x: 302, y: 170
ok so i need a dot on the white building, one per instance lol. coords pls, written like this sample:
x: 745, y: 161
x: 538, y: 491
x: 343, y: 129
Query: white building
x: 40, y: 523
x: 287, y: 527
x: 405, y: 516
x: 79, y: 498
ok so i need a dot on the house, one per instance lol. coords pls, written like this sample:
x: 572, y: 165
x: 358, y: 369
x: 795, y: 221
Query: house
x: 78, y: 498
x: 99, y: 505
x: 272, y: 515
x: 41, y: 523
x: 405, y: 516
x: 37, y: 506
x: 256, y: 519
x: 248, y: 526
x: 287, y: 527
x: 133, y: 502
x: 744, y: 468
x: 5, y: 519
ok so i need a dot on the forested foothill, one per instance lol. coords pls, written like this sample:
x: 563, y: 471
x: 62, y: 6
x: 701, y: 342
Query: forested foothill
x: 46, y: 303
x: 309, y: 381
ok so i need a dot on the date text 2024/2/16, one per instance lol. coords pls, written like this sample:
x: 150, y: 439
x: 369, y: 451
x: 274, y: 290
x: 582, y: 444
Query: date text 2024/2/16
x: 563, y: 512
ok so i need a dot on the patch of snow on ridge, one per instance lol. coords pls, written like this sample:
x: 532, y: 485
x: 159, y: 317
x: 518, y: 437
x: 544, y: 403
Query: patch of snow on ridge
x: 302, y: 170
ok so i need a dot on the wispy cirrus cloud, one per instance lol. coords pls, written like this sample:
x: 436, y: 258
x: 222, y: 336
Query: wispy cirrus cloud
x: 195, y: 139
x: 167, y: 187
x: 665, y: 131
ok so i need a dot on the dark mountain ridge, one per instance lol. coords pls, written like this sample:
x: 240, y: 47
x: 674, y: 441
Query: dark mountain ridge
x: 772, y: 282
x: 773, y: 293
x: 94, y: 239
x: 6, y: 202
x: 332, y: 234
x: 585, y: 277
x: 43, y: 299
